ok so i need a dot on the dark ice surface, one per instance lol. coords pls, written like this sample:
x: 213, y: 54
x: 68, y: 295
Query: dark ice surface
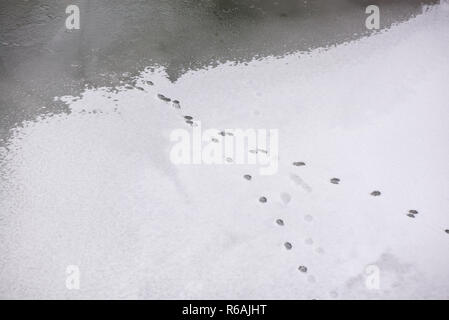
x: 40, y: 59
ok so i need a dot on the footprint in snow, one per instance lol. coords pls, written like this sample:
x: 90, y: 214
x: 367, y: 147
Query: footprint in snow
x: 375, y: 193
x: 263, y: 199
x: 296, y: 179
x: 309, y: 241
x: 176, y: 104
x: 308, y: 218
x: 280, y: 222
x: 288, y: 245
x: 299, y: 182
x: 412, y: 213
x: 247, y: 177
x: 285, y: 197
x: 303, y: 269
x: 163, y: 98
x: 224, y: 133
x: 335, y: 180
x: 299, y: 163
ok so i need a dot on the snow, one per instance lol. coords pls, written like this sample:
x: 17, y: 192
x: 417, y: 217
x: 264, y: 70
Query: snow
x: 95, y: 188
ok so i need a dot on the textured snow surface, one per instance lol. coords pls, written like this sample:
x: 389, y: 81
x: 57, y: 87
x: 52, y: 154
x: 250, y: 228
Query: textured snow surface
x: 95, y: 188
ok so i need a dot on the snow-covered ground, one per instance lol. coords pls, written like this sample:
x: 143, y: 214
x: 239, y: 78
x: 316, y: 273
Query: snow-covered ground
x: 96, y: 188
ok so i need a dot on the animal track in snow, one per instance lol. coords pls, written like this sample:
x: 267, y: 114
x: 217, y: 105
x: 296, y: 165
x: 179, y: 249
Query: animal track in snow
x: 335, y: 180
x: 285, y: 197
x: 308, y: 218
x: 225, y: 133
x: 163, y: 98
x: 309, y: 241
x: 288, y: 245
x: 303, y: 269
x: 412, y: 213
x: 280, y: 222
x: 176, y: 104
x: 299, y: 182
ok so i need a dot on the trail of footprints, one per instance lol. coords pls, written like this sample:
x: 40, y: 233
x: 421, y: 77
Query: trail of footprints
x: 285, y: 197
